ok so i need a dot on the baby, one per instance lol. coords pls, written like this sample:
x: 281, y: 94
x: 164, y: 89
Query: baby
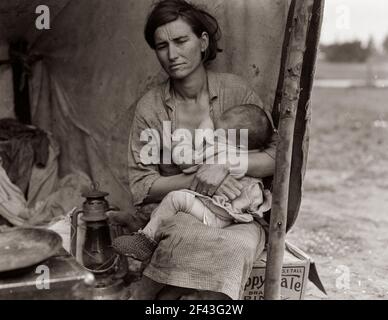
x: 216, y: 211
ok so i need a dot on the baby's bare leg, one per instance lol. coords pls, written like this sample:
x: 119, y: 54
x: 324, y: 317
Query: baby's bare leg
x: 174, y: 202
x: 142, y: 244
x: 186, y: 202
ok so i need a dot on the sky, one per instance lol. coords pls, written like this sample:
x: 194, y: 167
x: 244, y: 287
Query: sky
x: 346, y: 20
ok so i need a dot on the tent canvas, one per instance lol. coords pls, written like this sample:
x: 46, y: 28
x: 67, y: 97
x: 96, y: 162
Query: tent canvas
x: 96, y: 65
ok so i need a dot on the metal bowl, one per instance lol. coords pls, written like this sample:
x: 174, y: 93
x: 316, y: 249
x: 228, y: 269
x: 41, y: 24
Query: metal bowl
x: 24, y: 247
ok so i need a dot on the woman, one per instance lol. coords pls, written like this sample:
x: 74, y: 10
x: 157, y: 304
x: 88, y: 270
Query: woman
x: 190, y: 255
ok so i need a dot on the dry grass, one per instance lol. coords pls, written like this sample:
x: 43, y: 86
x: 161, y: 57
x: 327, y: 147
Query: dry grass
x: 347, y: 128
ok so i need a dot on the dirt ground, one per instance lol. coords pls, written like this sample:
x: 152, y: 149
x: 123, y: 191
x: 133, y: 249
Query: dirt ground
x: 343, y: 221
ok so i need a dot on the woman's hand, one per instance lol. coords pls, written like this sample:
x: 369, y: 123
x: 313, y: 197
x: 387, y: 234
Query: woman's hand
x: 230, y: 187
x: 215, y: 178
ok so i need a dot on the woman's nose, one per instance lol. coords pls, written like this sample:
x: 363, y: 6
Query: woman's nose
x: 172, y: 53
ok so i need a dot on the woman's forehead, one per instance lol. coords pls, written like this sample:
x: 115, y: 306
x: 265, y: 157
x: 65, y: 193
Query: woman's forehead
x: 172, y: 30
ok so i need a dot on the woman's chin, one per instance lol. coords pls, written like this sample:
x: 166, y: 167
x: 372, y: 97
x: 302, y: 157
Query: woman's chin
x: 181, y: 73
x: 178, y: 75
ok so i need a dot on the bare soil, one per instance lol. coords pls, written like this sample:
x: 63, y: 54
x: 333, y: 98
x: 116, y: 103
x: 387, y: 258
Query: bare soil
x: 343, y: 221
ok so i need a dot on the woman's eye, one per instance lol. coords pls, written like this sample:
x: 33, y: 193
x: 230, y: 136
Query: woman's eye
x: 160, y: 47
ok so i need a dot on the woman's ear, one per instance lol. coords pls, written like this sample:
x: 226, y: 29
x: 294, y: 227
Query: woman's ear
x: 204, y: 41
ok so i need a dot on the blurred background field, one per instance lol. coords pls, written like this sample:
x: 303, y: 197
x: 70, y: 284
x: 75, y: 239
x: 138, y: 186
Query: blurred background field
x: 375, y: 68
x: 343, y: 221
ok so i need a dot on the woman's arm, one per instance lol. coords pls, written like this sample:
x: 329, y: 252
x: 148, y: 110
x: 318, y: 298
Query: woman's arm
x: 260, y: 165
x: 163, y: 185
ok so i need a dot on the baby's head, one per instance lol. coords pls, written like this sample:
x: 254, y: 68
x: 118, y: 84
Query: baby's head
x: 250, y: 117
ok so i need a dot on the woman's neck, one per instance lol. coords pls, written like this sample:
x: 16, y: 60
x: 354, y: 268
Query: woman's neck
x: 193, y: 86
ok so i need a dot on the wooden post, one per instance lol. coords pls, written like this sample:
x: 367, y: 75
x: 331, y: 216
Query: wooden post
x: 288, y: 109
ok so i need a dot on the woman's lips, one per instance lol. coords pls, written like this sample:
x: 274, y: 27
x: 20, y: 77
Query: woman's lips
x: 176, y: 66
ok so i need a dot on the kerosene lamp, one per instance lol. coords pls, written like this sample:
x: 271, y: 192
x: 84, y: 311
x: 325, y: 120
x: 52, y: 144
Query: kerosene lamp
x: 98, y: 255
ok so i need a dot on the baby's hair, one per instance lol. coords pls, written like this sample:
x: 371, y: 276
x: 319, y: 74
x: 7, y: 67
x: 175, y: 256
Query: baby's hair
x: 251, y: 117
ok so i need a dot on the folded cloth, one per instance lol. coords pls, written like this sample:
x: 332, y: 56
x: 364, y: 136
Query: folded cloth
x: 192, y: 255
x: 14, y: 207
x: 22, y: 147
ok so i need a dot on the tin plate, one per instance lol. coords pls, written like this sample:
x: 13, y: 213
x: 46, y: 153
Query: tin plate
x: 24, y: 247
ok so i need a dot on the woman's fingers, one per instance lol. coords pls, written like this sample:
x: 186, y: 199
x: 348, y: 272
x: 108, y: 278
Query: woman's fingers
x: 229, y: 193
x: 204, y: 188
x: 194, y: 184
x: 211, y: 179
x: 230, y: 187
x: 208, y: 178
x: 212, y: 190
x: 233, y: 184
x: 200, y: 186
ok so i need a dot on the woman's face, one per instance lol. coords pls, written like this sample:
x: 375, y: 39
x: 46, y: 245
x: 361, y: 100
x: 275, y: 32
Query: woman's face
x: 178, y: 48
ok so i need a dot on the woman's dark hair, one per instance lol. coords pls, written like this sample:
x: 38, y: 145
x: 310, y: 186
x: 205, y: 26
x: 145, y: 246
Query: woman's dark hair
x: 200, y: 21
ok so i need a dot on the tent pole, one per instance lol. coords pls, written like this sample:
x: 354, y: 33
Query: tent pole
x: 288, y: 110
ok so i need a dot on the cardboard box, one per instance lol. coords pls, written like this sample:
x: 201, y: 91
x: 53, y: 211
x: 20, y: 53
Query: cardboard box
x: 296, y: 266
